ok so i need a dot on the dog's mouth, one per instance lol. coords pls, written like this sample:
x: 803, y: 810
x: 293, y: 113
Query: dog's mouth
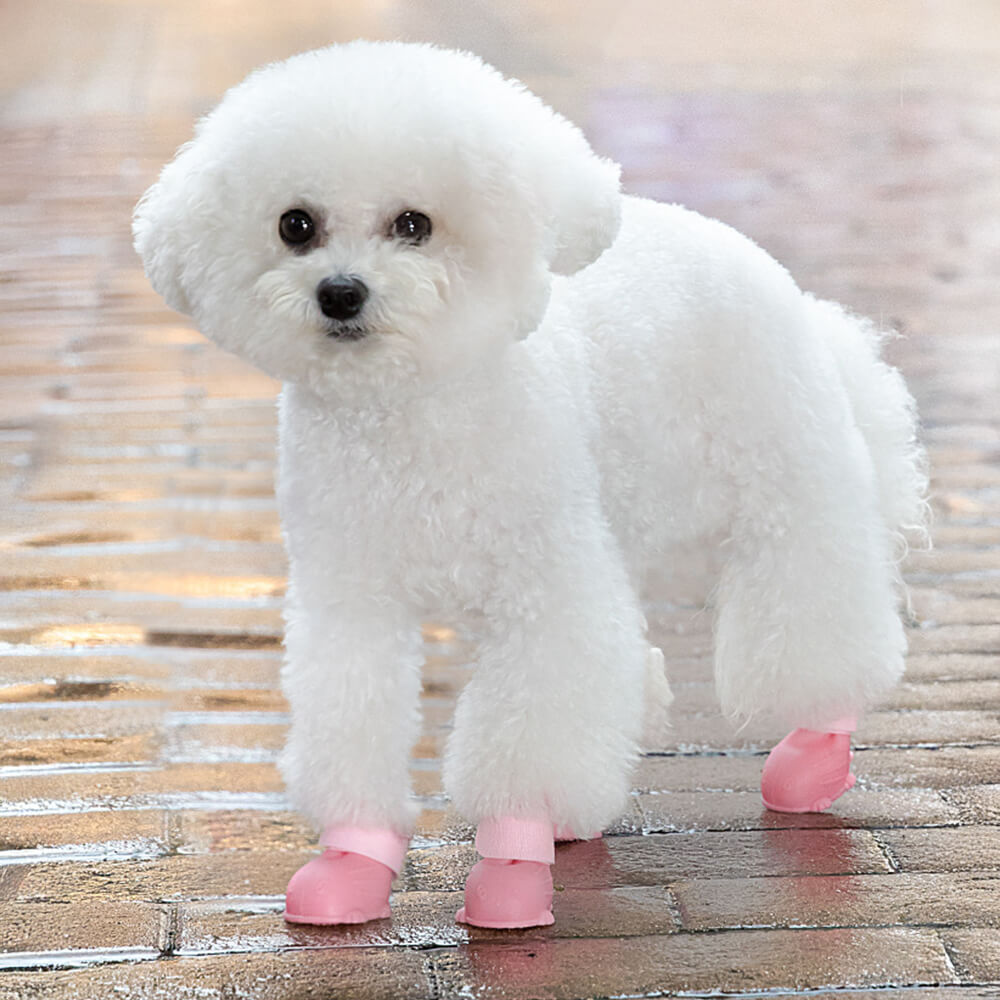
x: 346, y: 331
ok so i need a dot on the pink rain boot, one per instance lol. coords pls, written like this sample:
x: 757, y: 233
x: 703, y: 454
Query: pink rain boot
x: 512, y: 885
x: 809, y: 769
x: 349, y: 882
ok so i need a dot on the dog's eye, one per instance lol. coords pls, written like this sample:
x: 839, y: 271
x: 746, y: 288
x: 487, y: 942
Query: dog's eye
x: 297, y: 227
x: 413, y: 227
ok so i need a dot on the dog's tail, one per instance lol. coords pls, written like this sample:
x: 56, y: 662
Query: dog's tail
x: 887, y: 417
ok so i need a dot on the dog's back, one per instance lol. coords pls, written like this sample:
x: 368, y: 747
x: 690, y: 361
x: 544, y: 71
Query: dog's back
x: 688, y: 323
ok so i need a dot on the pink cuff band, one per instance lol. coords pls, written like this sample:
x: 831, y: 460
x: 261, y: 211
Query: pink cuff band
x: 845, y: 724
x: 517, y: 839
x: 380, y: 845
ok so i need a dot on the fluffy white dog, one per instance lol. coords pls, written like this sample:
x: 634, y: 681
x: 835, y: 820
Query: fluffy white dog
x: 509, y: 388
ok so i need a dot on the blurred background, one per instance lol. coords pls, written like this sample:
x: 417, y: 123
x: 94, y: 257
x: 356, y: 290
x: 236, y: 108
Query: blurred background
x: 145, y: 841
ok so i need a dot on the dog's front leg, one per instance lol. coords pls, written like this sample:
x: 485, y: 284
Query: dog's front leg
x: 352, y: 679
x: 546, y: 731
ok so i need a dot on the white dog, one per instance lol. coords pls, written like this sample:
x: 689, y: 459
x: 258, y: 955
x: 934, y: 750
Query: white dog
x: 509, y: 388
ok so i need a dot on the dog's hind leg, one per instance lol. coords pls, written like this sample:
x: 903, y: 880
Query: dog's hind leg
x: 811, y: 438
x: 352, y: 679
x: 808, y: 632
x: 808, y: 629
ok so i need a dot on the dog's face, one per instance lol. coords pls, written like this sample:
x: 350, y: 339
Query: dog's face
x: 371, y: 217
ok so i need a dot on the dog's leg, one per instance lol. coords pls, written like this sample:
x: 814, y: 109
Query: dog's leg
x: 546, y: 732
x: 807, y: 626
x: 352, y: 678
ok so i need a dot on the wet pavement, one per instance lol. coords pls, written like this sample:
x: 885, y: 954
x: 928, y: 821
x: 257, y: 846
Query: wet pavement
x: 145, y: 840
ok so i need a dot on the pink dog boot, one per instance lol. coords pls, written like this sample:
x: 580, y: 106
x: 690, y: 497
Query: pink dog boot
x: 808, y: 769
x: 350, y: 881
x: 512, y: 885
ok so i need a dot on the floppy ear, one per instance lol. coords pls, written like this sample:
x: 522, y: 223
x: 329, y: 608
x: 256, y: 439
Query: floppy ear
x: 159, y: 226
x: 575, y: 194
x: 586, y: 199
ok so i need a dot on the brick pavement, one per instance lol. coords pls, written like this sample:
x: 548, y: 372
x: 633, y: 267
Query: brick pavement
x: 144, y: 837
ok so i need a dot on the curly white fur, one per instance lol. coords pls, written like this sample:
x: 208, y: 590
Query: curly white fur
x: 543, y: 409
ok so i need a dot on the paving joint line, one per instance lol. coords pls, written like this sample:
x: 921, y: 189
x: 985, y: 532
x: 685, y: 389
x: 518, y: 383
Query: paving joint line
x: 956, y: 965
x: 887, y: 852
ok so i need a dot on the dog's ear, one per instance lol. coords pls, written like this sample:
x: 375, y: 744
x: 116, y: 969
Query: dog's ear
x: 578, y: 192
x: 585, y: 199
x: 160, y: 227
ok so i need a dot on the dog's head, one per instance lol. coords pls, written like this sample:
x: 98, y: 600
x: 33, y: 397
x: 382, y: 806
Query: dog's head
x: 374, y: 215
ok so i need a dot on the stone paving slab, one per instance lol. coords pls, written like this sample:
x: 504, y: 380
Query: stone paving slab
x: 726, y: 962
x: 47, y: 928
x: 28, y: 839
x: 975, y: 953
x: 722, y: 810
x: 942, y: 849
x: 952, y: 899
x: 364, y: 974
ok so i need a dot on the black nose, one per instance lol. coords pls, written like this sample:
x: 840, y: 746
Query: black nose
x: 342, y: 297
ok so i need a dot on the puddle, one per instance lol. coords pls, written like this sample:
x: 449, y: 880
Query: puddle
x: 72, y: 767
x: 226, y: 718
x: 207, y: 801
x: 125, y: 850
x: 59, y: 690
x: 74, y: 959
x: 78, y: 538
